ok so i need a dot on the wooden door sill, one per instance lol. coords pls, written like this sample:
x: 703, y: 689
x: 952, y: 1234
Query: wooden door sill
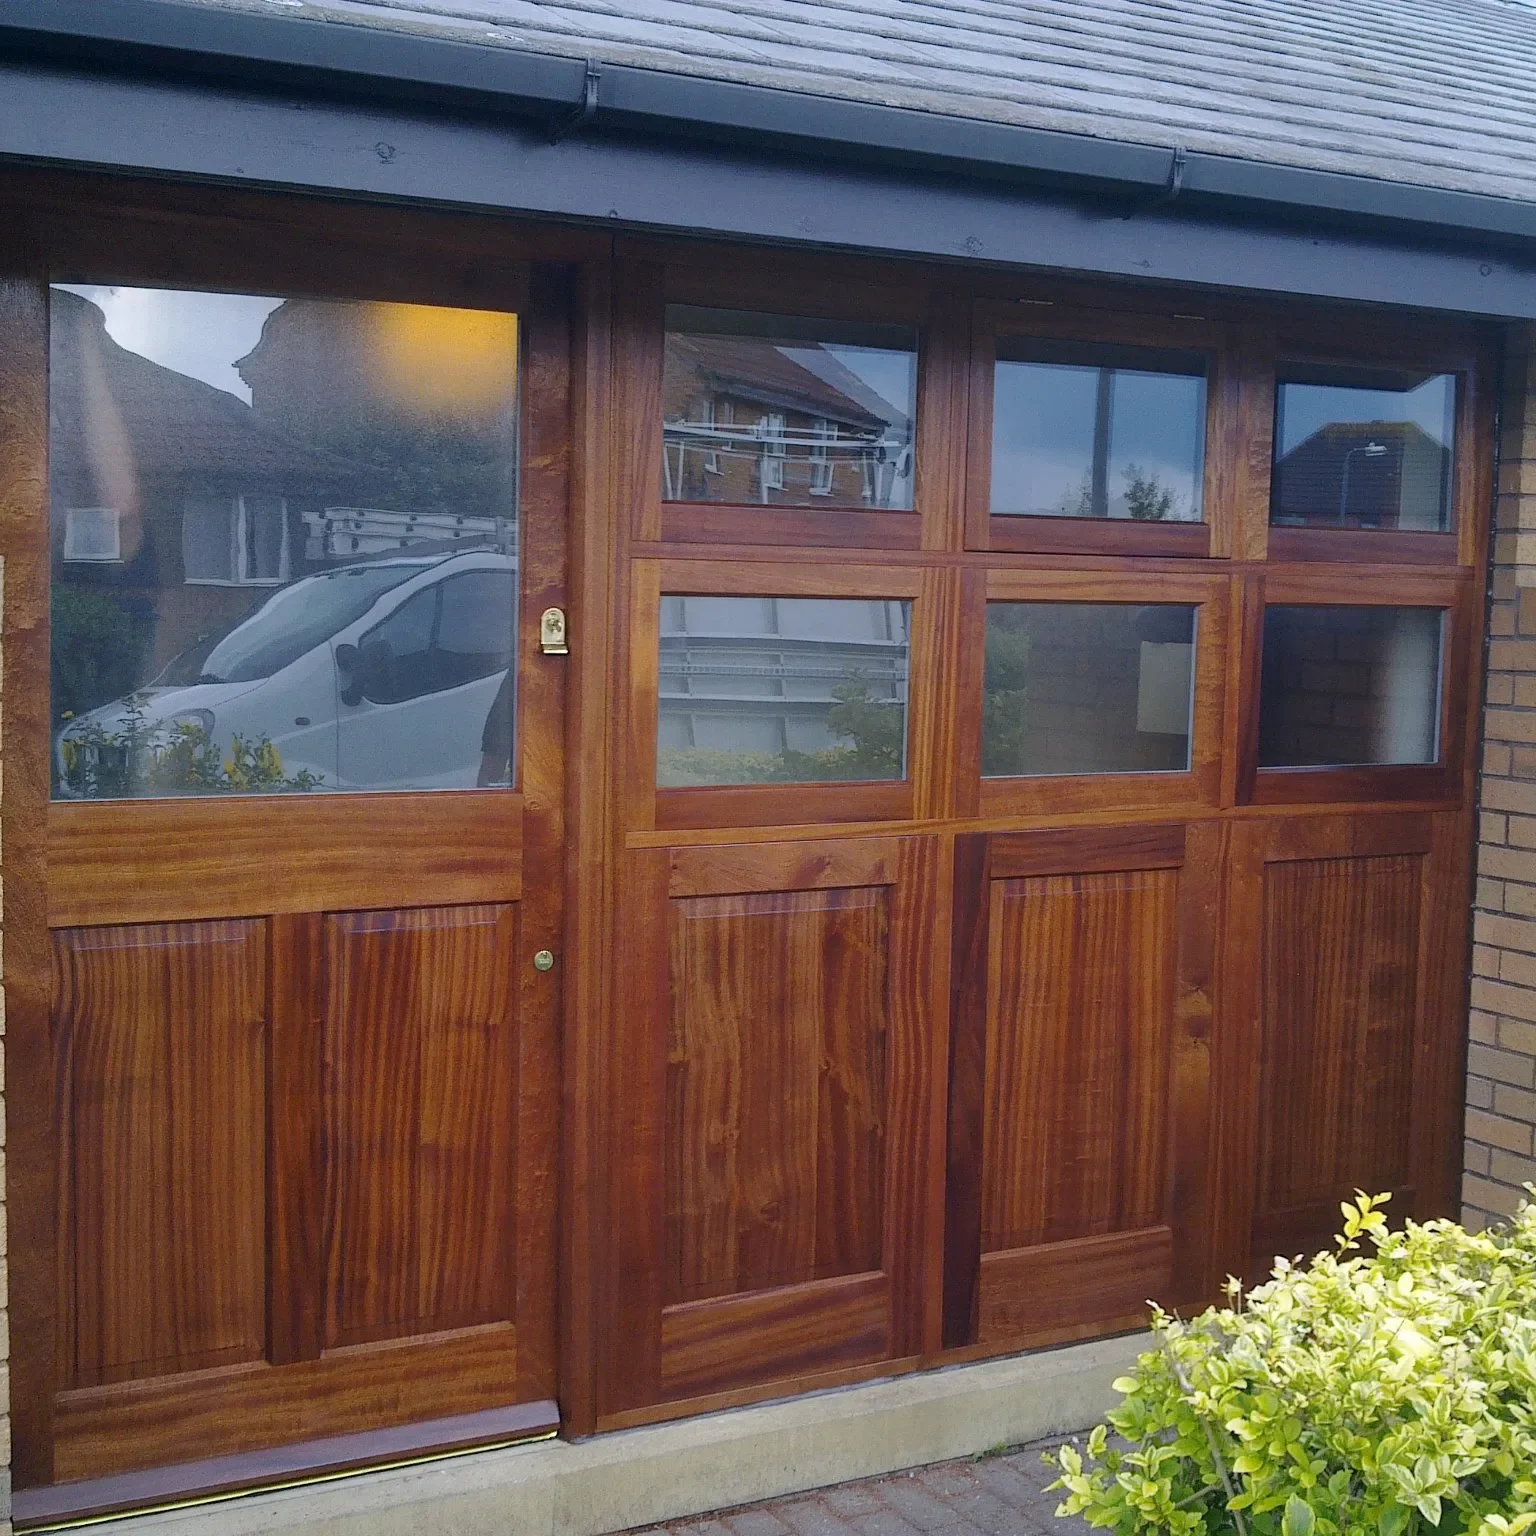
x: 191, y: 1482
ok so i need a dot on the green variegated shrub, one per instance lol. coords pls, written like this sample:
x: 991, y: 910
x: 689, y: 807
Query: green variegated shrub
x: 1368, y: 1393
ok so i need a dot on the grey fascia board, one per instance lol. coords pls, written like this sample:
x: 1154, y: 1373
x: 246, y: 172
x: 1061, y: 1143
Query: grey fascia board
x: 382, y: 65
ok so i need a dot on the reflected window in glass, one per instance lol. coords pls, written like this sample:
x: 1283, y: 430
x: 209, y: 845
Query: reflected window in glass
x: 1363, y: 449
x: 1345, y: 687
x: 782, y: 690
x: 1084, y: 688
x: 284, y: 545
x: 1084, y: 430
x: 783, y: 412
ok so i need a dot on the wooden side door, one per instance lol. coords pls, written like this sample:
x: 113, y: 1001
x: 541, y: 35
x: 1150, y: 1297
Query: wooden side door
x: 1083, y: 984
x: 306, y: 1066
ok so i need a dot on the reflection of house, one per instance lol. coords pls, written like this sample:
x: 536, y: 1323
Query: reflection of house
x: 426, y: 398
x: 750, y: 421
x: 758, y: 674
x: 172, y: 498
x: 1373, y: 474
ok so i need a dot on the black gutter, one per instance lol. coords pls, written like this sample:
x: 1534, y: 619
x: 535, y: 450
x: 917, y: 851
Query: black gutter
x: 382, y: 66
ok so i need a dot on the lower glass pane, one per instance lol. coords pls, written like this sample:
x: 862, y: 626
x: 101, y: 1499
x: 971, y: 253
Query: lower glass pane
x: 1345, y: 687
x: 285, y: 544
x: 782, y: 690
x: 1082, y: 688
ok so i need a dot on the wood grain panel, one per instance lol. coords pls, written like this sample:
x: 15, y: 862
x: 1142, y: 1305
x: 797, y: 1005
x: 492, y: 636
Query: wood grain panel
x: 420, y: 1111
x: 162, y: 1064
x: 193, y: 857
x: 1099, y: 1279
x: 776, y: 1089
x: 221, y: 1412
x: 1080, y: 997
x: 1340, y: 961
x: 731, y: 869
x: 710, y: 1345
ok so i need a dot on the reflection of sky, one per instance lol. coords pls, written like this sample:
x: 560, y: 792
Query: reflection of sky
x: 1305, y: 408
x: 892, y: 375
x: 200, y: 334
x: 1042, y: 442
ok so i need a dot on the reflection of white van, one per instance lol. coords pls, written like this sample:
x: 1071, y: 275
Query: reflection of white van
x: 378, y: 675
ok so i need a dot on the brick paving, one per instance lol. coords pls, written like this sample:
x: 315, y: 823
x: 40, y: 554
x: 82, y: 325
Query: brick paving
x: 1000, y: 1494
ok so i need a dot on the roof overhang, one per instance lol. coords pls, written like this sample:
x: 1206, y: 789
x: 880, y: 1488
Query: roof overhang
x: 151, y: 88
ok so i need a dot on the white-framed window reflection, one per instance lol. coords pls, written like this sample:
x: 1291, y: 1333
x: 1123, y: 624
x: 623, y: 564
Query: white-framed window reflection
x: 239, y: 541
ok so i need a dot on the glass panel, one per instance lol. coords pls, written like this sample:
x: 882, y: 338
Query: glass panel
x: 776, y: 690
x: 1081, y: 430
x: 1087, y: 688
x: 1347, y: 686
x: 783, y: 412
x: 1363, y: 450
x: 284, y: 544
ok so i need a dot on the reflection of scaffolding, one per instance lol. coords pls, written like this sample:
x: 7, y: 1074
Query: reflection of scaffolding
x: 341, y: 533
x: 884, y: 462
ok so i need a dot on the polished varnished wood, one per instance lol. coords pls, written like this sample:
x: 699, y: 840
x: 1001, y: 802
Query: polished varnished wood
x: 221, y: 1476
x: 32, y: 1143
x: 775, y: 1142
x: 363, y: 1180
x: 776, y: 1047
x: 1340, y: 971
x: 785, y: 1330
x: 231, y: 1410
x: 193, y: 857
x: 797, y: 1030
x: 1080, y: 993
x: 1033, y: 1292
x: 160, y: 1033
x: 1082, y: 1003
x: 420, y: 1050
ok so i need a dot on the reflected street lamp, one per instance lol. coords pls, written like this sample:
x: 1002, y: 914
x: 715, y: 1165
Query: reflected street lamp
x: 1371, y: 451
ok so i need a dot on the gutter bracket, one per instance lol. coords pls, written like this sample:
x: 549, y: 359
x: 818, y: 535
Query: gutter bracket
x: 566, y: 123
x: 1171, y: 188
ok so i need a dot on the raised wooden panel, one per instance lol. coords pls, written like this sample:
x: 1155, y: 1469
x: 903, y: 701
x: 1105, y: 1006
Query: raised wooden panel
x: 776, y: 1088
x: 161, y: 1059
x: 420, y: 1037
x: 1080, y: 999
x: 1340, y: 964
x: 1083, y: 1008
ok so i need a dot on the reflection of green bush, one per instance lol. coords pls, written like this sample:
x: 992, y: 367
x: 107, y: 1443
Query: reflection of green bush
x: 97, y: 652
x: 179, y: 758
x: 875, y: 749
x: 1005, y: 696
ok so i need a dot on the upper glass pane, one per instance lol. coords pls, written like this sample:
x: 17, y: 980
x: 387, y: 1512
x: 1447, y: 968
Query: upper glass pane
x: 775, y: 411
x: 284, y: 549
x: 1087, y: 688
x: 776, y: 690
x: 1358, y: 449
x: 1342, y: 687
x: 1081, y: 430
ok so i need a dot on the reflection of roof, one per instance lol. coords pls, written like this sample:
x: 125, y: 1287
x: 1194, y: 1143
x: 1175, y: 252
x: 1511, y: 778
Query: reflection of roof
x: 1337, y: 437
x: 751, y: 369
x: 1330, y: 464
x: 173, y: 424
